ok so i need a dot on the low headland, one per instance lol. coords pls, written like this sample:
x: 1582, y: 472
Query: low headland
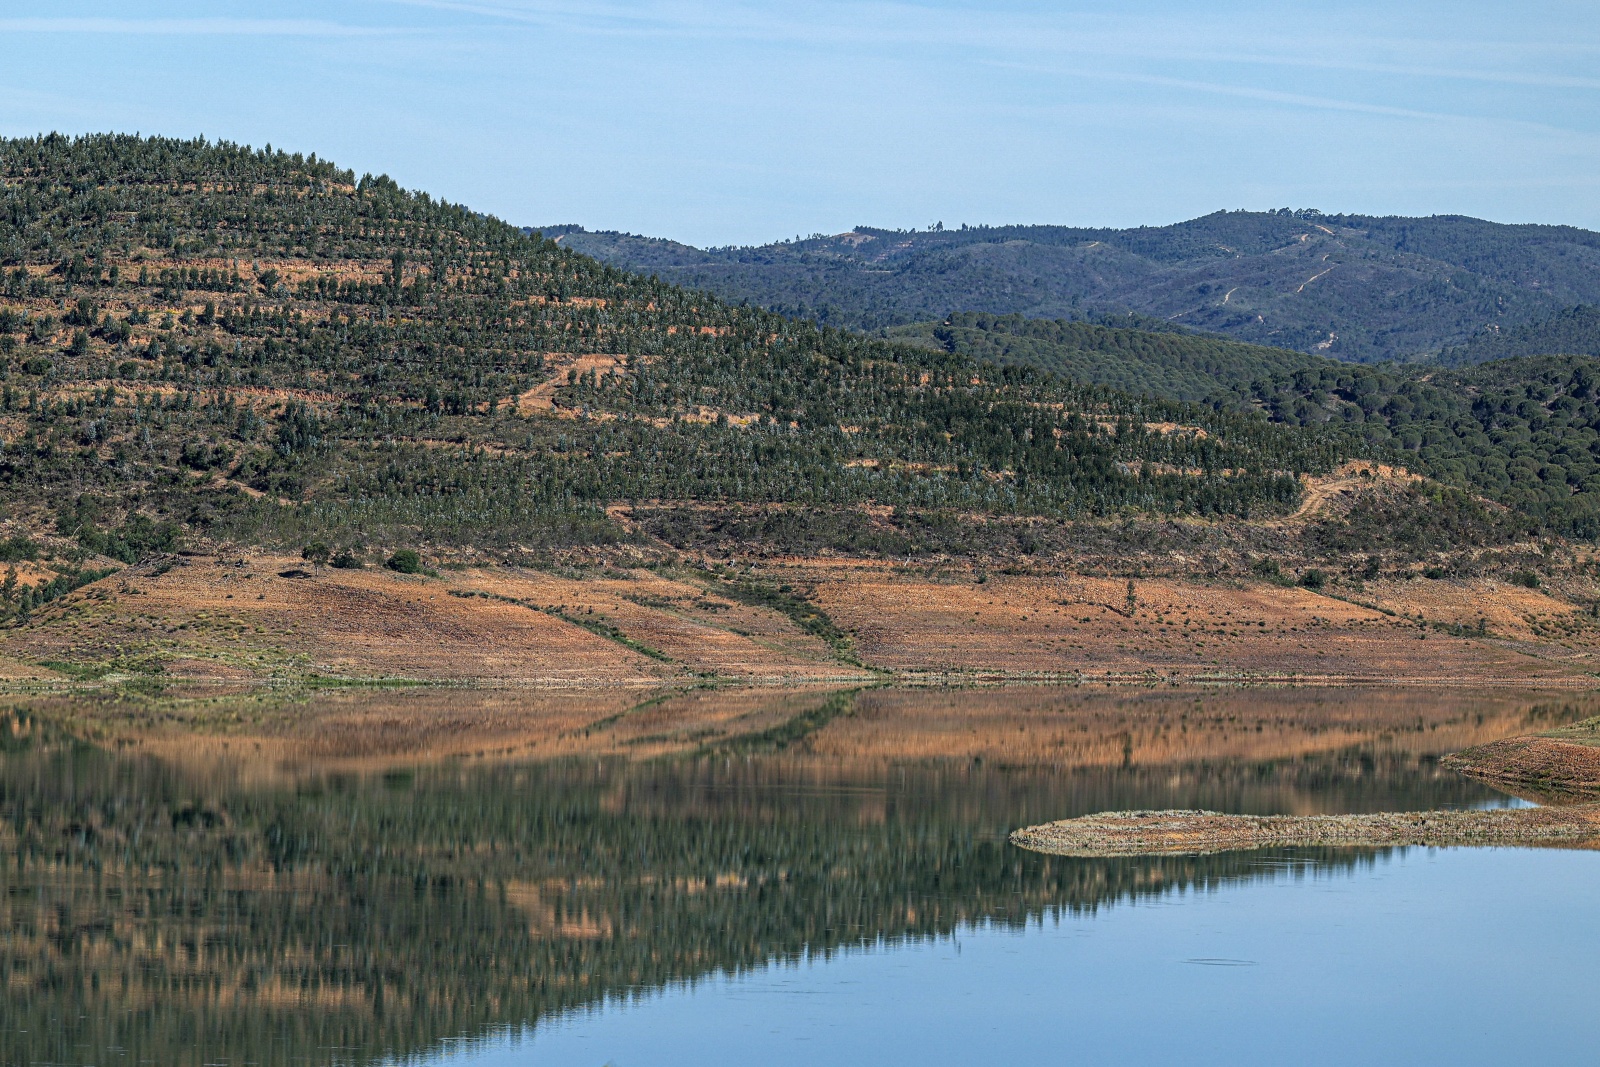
x: 1560, y: 767
x: 1148, y: 833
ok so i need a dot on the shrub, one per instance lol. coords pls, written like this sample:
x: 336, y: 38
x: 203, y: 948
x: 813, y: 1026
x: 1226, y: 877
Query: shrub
x: 405, y: 561
x: 1527, y: 579
x: 16, y: 549
x: 1313, y: 579
x: 1267, y: 569
x: 345, y: 560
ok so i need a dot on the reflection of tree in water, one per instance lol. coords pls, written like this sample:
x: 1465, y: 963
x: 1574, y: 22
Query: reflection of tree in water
x: 340, y: 918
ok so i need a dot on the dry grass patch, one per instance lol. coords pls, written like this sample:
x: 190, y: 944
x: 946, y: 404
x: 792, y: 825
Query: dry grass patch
x: 240, y: 616
x: 693, y: 624
x: 1089, y: 626
x: 239, y: 611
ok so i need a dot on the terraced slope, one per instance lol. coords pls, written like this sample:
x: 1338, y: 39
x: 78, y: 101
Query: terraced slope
x: 253, y: 358
x: 262, y: 348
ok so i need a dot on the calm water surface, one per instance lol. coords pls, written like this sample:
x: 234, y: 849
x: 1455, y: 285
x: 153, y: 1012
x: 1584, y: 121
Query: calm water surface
x: 777, y: 904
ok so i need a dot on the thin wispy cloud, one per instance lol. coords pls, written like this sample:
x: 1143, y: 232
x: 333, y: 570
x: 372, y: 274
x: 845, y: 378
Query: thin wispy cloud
x: 596, y: 17
x: 1172, y: 38
x: 725, y: 119
x: 1272, y: 96
x: 197, y: 27
x: 1569, y: 138
x: 1492, y: 77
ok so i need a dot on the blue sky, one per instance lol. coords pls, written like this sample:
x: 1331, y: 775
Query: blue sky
x: 726, y: 122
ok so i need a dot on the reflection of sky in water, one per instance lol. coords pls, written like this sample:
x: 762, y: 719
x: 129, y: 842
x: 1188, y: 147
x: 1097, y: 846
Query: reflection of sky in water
x: 1498, y: 803
x: 1427, y: 956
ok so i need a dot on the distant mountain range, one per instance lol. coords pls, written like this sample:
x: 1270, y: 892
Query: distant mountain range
x: 1348, y: 286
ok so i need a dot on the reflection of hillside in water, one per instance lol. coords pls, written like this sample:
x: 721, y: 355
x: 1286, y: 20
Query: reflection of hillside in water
x: 170, y: 912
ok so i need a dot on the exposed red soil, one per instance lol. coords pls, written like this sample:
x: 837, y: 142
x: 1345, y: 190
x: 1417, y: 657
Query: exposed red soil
x: 239, y: 615
x: 1188, y: 629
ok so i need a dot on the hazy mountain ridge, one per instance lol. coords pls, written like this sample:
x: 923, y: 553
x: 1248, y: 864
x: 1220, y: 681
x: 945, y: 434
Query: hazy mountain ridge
x: 1353, y: 287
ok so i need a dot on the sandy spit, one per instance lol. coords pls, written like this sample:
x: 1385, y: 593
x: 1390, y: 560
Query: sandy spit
x: 1139, y: 833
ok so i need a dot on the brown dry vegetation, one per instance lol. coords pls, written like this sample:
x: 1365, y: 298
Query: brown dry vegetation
x: 1546, y: 764
x: 1073, y: 624
x: 248, y: 615
x: 237, y: 616
x: 1557, y: 764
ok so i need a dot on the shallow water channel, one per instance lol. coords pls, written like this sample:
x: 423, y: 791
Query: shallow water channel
x: 812, y: 898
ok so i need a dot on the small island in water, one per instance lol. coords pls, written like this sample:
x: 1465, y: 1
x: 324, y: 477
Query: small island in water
x: 1561, y: 766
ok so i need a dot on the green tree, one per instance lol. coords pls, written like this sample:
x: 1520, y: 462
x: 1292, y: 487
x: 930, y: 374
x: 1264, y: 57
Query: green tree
x: 404, y: 560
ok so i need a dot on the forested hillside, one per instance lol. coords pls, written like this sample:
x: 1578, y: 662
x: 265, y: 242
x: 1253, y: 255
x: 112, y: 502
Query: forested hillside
x: 1174, y: 364
x: 1574, y: 331
x: 1522, y: 431
x: 1348, y: 286
x: 203, y: 341
x: 207, y: 339
x: 1525, y: 432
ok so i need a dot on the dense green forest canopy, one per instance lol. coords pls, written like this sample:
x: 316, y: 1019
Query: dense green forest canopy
x: 1173, y: 364
x: 263, y: 347
x: 1525, y: 432
x: 1520, y: 431
x: 1349, y: 286
x: 1574, y: 331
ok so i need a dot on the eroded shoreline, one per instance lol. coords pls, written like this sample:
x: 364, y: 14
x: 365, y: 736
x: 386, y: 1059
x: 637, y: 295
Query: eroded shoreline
x: 1560, y: 767
x: 1148, y: 833
x: 1551, y: 765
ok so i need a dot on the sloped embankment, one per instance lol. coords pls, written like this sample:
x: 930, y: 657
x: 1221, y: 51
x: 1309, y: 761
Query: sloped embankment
x: 1562, y: 761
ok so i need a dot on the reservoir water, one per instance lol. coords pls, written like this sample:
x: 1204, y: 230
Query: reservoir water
x: 842, y: 894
